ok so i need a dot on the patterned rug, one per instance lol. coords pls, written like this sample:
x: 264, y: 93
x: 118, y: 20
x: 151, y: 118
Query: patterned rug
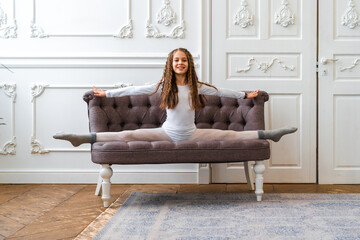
x: 235, y: 216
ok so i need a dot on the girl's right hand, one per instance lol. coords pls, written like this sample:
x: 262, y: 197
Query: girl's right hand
x: 99, y: 92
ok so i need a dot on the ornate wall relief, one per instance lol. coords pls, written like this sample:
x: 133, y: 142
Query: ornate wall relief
x: 284, y: 16
x: 243, y: 16
x: 125, y: 31
x: 37, y: 89
x: 351, y: 17
x: 8, y: 25
x: 353, y: 65
x: 10, y: 146
x: 261, y: 66
x: 177, y: 32
x: 3, y: 17
x: 166, y: 14
x: 265, y: 66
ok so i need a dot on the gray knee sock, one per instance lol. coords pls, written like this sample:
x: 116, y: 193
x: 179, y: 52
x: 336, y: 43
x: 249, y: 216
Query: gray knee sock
x: 276, y: 134
x: 76, y: 139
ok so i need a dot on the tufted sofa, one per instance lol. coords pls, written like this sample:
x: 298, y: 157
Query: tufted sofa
x: 134, y: 112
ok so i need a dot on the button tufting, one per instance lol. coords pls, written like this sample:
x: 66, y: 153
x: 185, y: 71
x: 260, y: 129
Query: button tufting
x: 130, y: 106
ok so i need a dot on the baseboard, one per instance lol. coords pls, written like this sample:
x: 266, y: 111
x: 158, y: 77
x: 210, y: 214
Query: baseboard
x: 91, y: 177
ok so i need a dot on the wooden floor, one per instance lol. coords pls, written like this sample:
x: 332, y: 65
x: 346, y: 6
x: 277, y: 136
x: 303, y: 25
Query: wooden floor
x: 64, y: 211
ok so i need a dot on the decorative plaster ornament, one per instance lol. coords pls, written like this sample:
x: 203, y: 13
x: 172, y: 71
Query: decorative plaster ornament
x: 36, y: 147
x: 9, y: 90
x: 166, y: 14
x: 10, y: 146
x: 126, y: 31
x: 3, y: 17
x: 37, y: 31
x: 353, y: 65
x: 351, y: 17
x: 243, y: 17
x: 284, y: 16
x: 264, y: 66
x: 37, y: 90
x: 176, y: 32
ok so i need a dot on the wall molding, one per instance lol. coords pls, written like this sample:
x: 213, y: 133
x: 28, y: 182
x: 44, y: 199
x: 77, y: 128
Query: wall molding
x: 8, y: 30
x: 243, y: 17
x: 10, y: 146
x: 265, y: 66
x: 351, y: 17
x: 136, y: 60
x: 125, y: 31
x: 177, y: 32
x: 37, y: 89
x: 166, y: 15
x: 284, y: 16
x: 355, y: 63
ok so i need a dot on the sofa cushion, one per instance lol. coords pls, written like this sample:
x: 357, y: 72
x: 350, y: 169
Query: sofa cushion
x: 157, y: 152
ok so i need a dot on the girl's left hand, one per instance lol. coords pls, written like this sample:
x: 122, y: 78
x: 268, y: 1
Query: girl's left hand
x: 252, y: 94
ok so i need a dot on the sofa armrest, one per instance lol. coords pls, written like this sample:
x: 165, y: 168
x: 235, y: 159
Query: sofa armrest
x: 255, y: 116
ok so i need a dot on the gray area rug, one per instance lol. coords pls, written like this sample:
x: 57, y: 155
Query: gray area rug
x: 235, y: 216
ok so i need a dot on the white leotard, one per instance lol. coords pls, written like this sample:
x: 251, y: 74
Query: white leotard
x: 180, y: 121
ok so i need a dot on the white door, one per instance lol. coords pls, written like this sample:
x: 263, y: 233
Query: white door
x: 271, y: 45
x: 339, y: 91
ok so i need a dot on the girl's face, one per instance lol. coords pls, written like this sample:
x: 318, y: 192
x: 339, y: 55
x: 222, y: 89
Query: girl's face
x: 180, y: 63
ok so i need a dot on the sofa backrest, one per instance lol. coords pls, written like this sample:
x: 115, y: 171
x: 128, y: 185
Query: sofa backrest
x: 133, y: 112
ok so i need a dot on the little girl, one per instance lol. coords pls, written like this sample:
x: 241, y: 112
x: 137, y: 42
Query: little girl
x: 181, y: 93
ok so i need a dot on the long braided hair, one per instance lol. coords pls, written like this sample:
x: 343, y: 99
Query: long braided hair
x: 169, y: 93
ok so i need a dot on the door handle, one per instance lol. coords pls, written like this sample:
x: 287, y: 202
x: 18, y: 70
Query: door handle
x: 325, y: 61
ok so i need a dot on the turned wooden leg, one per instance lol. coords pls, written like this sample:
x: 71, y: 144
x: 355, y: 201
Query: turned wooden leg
x: 249, y: 176
x: 98, y: 186
x: 259, y: 169
x: 106, y: 172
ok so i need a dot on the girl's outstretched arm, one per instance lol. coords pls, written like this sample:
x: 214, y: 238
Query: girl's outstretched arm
x: 221, y: 92
x: 99, y: 92
x: 252, y: 94
x: 126, y: 91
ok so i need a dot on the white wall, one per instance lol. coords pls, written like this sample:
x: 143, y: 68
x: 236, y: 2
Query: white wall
x: 69, y: 47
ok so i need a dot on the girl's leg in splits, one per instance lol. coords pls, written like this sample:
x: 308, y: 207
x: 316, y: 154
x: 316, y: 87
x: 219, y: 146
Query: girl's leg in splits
x: 145, y: 134
x: 216, y: 134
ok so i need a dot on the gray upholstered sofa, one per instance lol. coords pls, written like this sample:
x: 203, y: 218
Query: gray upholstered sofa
x: 133, y: 112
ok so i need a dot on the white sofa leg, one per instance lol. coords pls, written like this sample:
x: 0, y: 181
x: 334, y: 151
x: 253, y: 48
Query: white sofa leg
x: 106, y: 172
x: 98, y: 186
x: 259, y: 169
x: 249, y: 175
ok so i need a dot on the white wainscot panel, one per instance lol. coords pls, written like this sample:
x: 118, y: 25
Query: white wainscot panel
x: 243, y: 19
x: 347, y: 15
x: 56, y: 109
x: 8, y: 25
x: 87, y: 18
x: 7, y: 119
x: 347, y: 67
x: 347, y: 131
x: 284, y: 110
x: 245, y: 66
x: 285, y: 18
